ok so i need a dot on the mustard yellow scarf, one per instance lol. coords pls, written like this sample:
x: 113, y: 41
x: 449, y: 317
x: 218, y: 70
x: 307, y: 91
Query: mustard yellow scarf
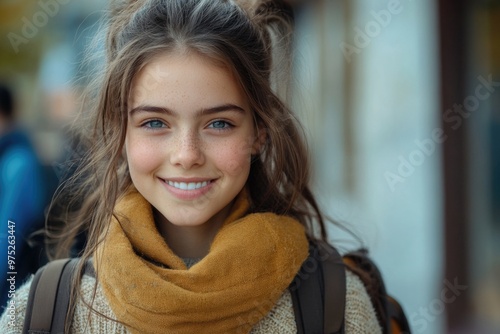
x: 251, y: 261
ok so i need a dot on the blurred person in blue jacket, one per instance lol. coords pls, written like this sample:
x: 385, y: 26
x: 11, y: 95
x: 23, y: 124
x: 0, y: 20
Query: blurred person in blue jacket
x: 23, y: 197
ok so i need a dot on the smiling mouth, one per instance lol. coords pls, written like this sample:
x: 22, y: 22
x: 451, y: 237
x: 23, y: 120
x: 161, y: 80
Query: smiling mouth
x: 188, y: 185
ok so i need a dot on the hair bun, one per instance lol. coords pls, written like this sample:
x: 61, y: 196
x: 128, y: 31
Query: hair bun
x: 274, y: 9
x: 266, y: 11
x: 275, y: 20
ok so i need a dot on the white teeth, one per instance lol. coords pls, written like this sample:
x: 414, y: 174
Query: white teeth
x: 188, y: 186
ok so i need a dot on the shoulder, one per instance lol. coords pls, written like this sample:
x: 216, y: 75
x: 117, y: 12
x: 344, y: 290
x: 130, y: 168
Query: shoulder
x: 360, y: 315
x: 12, y: 319
x: 99, y: 319
x: 280, y: 319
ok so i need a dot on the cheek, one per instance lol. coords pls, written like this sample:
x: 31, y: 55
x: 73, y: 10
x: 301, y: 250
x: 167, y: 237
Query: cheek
x: 142, y: 156
x: 234, y: 157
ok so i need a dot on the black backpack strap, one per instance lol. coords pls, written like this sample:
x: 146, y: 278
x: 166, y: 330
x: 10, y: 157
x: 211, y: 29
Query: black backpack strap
x: 318, y: 292
x: 31, y: 297
x: 335, y: 292
x: 63, y: 297
x: 49, y: 298
x: 42, y: 298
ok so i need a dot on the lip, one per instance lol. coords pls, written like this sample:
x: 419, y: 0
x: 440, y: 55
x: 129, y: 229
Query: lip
x: 191, y: 194
x: 188, y: 179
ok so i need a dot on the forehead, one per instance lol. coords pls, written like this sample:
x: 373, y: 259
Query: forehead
x: 172, y: 77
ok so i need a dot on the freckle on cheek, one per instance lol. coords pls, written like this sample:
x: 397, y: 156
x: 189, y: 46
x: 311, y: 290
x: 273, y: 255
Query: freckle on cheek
x: 234, y: 167
x: 233, y: 158
x: 143, y: 158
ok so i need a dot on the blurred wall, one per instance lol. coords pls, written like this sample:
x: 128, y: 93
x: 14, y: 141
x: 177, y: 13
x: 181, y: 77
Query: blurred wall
x: 368, y: 88
x: 401, y: 103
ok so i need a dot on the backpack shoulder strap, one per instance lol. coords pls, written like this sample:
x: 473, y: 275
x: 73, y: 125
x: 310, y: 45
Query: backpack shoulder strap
x: 318, y: 292
x: 49, y: 298
x: 334, y: 291
x: 63, y: 297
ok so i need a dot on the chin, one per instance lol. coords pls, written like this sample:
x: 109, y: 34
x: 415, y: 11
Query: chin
x: 187, y: 220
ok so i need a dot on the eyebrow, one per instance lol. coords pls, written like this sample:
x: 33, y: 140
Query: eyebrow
x: 204, y: 111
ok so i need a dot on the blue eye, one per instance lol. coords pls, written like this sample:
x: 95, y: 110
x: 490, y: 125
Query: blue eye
x: 219, y: 125
x: 154, y: 124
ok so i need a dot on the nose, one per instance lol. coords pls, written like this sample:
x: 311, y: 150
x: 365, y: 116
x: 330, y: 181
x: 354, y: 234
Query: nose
x: 187, y: 151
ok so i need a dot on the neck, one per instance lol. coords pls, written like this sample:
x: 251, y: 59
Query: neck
x: 190, y: 241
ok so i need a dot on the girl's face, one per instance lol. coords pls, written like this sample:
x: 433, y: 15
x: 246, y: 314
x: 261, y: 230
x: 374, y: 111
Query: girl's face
x: 190, y: 137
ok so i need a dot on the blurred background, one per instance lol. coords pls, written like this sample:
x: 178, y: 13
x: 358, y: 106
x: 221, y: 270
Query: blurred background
x: 401, y: 103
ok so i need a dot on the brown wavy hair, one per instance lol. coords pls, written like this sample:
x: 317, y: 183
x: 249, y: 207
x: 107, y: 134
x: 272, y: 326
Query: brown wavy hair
x: 254, y: 40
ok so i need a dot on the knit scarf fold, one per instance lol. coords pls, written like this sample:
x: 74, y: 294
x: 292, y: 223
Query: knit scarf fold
x: 251, y: 261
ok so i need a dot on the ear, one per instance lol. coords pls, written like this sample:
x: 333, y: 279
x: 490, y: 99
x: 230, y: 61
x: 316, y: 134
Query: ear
x: 260, y: 140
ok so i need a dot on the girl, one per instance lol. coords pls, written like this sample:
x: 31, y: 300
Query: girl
x: 195, y: 187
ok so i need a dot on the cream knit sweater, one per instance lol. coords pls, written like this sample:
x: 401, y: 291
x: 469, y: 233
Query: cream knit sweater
x: 360, y: 315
